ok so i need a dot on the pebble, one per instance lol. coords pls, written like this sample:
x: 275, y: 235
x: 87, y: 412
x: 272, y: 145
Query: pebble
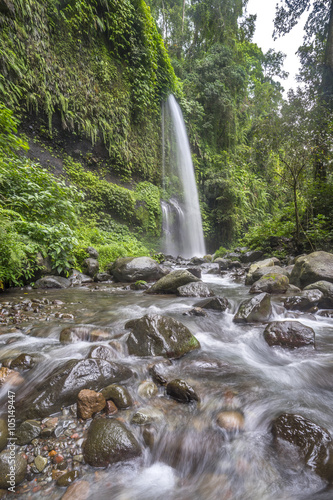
x: 40, y: 463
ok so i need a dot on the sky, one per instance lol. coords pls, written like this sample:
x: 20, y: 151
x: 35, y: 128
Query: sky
x: 288, y: 44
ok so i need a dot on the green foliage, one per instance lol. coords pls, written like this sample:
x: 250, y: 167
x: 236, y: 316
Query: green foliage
x: 148, y: 207
x: 220, y: 252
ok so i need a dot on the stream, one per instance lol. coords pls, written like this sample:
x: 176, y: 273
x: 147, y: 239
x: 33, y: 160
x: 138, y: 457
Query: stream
x: 190, y: 456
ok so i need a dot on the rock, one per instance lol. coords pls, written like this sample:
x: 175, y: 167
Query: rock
x: 318, y: 266
x: 197, y: 260
x: 44, y: 265
x: 251, y: 256
x: 155, y: 335
x: 40, y: 463
x: 52, y: 282
x: 181, y: 391
x: 3, y: 433
x: 304, y: 301
x: 271, y: 283
x: 196, y: 311
x: 111, y: 408
x: 213, y: 269
x: 102, y: 352
x: 171, y: 282
x: 257, y: 265
x: 215, y: 303
x: 146, y: 416
x: 11, y: 377
x: 90, y: 266
x: 271, y: 270
x: 195, y: 290
x: 224, y: 264
x: 119, y: 395
x: 109, y: 442
x: 103, y: 277
x: 289, y: 334
x: 63, y: 385
x: 28, y: 430
x: 74, y: 334
x: 76, y: 278
x: 314, y: 444
x: 235, y: 264
x: 158, y: 371
x: 196, y: 271
x: 147, y: 390
x: 23, y: 362
x: 6, y: 468
x: 92, y: 252
x: 231, y: 421
x: 68, y: 478
x: 89, y: 402
x: 131, y: 269
x: 253, y: 310
x: 77, y: 491
x: 233, y: 255
x: 326, y: 289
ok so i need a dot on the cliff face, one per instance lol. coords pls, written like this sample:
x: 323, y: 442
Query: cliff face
x: 87, y: 77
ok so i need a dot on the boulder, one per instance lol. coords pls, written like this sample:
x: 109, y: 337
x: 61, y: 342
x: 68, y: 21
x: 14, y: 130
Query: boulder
x: 52, y: 282
x: 224, y: 264
x: 326, y: 289
x: 27, y: 431
x: 253, y: 310
x: 317, y: 266
x: 146, y: 416
x: 24, y: 362
x: 304, y: 301
x: 76, y: 278
x: 198, y: 289
x: 313, y: 443
x: 73, y: 334
x: 195, y: 311
x: 131, y: 269
x: 89, y: 402
x: 92, y: 252
x: 119, y: 395
x: 172, y: 281
x: 263, y: 271
x: 44, y: 265
x: 271, y: 283
x: 63, y: 385
x: 158, y: 371
x: 181, y: 391
x: 155, y: 335
x: 8, y: 479
x: 257, y: 265
x: 102, y: 352
x: 251, y: 256
x: 90, y: 266
x: 214, y: 303
x: 196, y: 271
x: 289, y: 334
x: 109, y: 442
x: 103, y: 277
x: 197, y: 260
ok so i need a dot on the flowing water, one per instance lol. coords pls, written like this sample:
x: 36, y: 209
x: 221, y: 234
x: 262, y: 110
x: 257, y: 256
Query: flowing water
x: 192, y: 458
x: 185, y: 235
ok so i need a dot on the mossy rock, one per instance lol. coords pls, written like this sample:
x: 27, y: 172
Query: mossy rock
x: 6, y: 459
x: 172, y: 281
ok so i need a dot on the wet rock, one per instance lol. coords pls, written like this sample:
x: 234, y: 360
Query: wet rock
x: 271, y: 283
x: 146, y: 416
x: 254, y: 310
x: 90, y: 267
x: 102, y: 352
x: 289, y: 334
x: 171, y: 282
x: 63, y: 385
x: 40, y: 463
x: 131, y: 269
x: 108, y: 442
x: 264, y: 271
x: 52, y: 282
x: 111, y: 408
x: 3, y: 433
x: 251, y: 256
x: 215, y: 303
x: 77, y: 491
x: 74, y: 334
x: 23, y: 362
x: 304, y: 301
x: 119, y: 395
x: 249, y: 280
x: 68, y: 478
x: 103, y: 277
x: 158, y: 371
x: 11, y: 377
x: 195, y: 290
x: 155, y: 335
x: 224, y: 264
x: 89, y: 402
x: 317, y: 266
x: 44, y: 265
x: 230, y: 421
x: 28, y: 430
x: 197, y: 260
x: 76, y: 278
x: 6, y: 460
x: 181, y: 391
x: 92, y: 252
x: 213, y: 269
x: 326, y: 288
x: 196, y: 311
x: 139, y: 285
x: 147, y: 390
x: 314, y: 444
x: 196, y: 271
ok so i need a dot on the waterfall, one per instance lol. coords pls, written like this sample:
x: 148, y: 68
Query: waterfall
x: 182, y: 225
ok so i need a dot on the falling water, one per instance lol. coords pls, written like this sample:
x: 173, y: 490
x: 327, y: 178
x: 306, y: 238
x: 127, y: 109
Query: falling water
x: 185, y: 226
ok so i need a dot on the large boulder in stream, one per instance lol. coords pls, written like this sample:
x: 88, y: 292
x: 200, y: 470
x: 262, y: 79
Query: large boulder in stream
x: 108, y: 442
x: 198, y: 289
x: 312, y: 443
x: 289, y: 334
x: 171, y: 282
x: 63, y: 385
x: 326, y: 288
x: 316, y: 266
x: 52, y: 282
x: 307, y: 300
x: 9, y: 477
x: 271, y: 283
x: 249, y: 280
x: 214, y: 303
x: 155, y: 335
x: 131, y: 269
x: 253, y: 310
